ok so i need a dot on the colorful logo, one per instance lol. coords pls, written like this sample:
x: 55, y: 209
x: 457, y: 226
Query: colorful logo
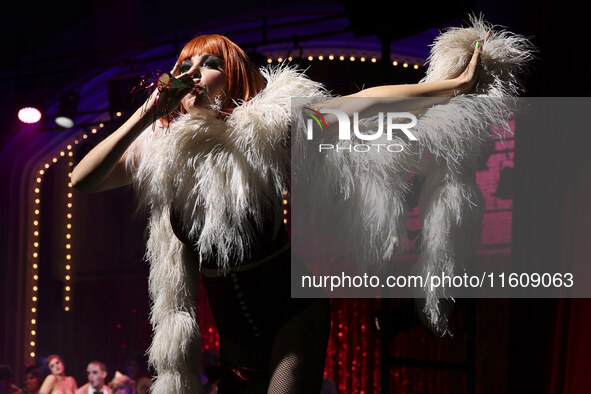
x: 317, y: 116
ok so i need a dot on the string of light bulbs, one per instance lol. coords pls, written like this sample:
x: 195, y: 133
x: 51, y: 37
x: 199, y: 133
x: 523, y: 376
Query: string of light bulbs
x: 351, y: 58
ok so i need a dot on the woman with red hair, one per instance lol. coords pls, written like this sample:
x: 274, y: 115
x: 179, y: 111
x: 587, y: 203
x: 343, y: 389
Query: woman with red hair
x: 57, y: 381
x: 214, y: 172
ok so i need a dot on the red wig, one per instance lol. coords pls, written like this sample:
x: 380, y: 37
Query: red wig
x: 243, y: 80
x: 51, y: 357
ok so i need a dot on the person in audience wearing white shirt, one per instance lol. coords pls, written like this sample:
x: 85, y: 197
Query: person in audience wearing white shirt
x: 97, y: 373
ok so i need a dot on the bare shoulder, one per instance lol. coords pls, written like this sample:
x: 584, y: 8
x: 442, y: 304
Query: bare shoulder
x: 83, y: 389
x: 48, y: 384
x: 50, y: 378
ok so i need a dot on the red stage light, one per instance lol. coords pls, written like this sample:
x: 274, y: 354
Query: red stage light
x: 29, y: 115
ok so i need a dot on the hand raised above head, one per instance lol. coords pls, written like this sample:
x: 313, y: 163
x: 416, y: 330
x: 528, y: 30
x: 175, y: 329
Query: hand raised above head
x: 468, y: 78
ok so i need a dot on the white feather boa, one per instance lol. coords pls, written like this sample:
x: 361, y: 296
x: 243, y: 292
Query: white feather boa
x: 452, y: 137
x: 225, y: 178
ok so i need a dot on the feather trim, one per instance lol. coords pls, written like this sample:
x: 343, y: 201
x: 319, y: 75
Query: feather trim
x: 452, y: 137
x: 224, y: 180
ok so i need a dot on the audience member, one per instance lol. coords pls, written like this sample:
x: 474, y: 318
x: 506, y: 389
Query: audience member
x: 135, y: 366
x: 57, y: 381
x: 122, y: 384
x: 32, y: 379
x: 97, y: 373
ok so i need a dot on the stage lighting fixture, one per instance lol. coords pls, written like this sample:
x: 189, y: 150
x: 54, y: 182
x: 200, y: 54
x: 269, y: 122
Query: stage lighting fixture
x: 66, y: 112
x: 29, y: 115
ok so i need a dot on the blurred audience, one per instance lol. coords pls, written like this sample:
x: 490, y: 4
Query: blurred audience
x: 57, y: 381
x: 97, y: 373
x: 122, y: 384
x: 31, y: 379
x: 6, y: 380
x: 135, y: 365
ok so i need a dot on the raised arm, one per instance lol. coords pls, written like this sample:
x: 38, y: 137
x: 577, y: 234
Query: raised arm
x: 436, y: 92
x: 103, y: 168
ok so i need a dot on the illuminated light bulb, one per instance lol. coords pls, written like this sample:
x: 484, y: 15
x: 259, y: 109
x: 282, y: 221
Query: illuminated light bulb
x: 33, y: 332
x: 32, y: 354
x: 35, y: 223
x: 285, y: 221
x: 36, y: 233
x: 68, y: 267
x: 70, y: 164
x: 395, y: 62
x: 330, y: 57
x: 36, y: 190
x: 67, y: 298
x: 69, y: 205
x: 269, y: 60
x: 362, y: 58
x: 33, y: 310
x: 320, y: 57
x: 36, y: 277
x: 76, y: 142
x: 70, y: 154
x: 35, y: 254
x: 37, y: 201
x: 93, y: 131
x: 280, y: 59
x: 67, y: 277
x: 68, y: 257
x: 62, y: 153
x: 373, y: 60
x: 46, y: 165
x: 70, y: 195
x: 310, y: 58
x: 68, y: 246
x: 29, y: 115
x: 341, y: 58
x: 68, y: 236
x: 34, y: 298
x: 36, y: 212
x: 69, y: 147
x: 118, y: 114
x: 416, y: 66
x: 41, y: 172
x: 36, y: 244
x: 68, y: 226
x: 32, y: 343
x: 33, y: 321
x: 67, y: 308
x: 69, y: 216
x: 35, y: 288
x: 35, y: 266
x: 101, y: 125
x: 284, y: 202
x: 67, y: 288
x: 84, y: 136
x: 285, y: 211
x: 38, y: 180
x: 352, y: 58
x: 405, y: 64
x: 54, y: 159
